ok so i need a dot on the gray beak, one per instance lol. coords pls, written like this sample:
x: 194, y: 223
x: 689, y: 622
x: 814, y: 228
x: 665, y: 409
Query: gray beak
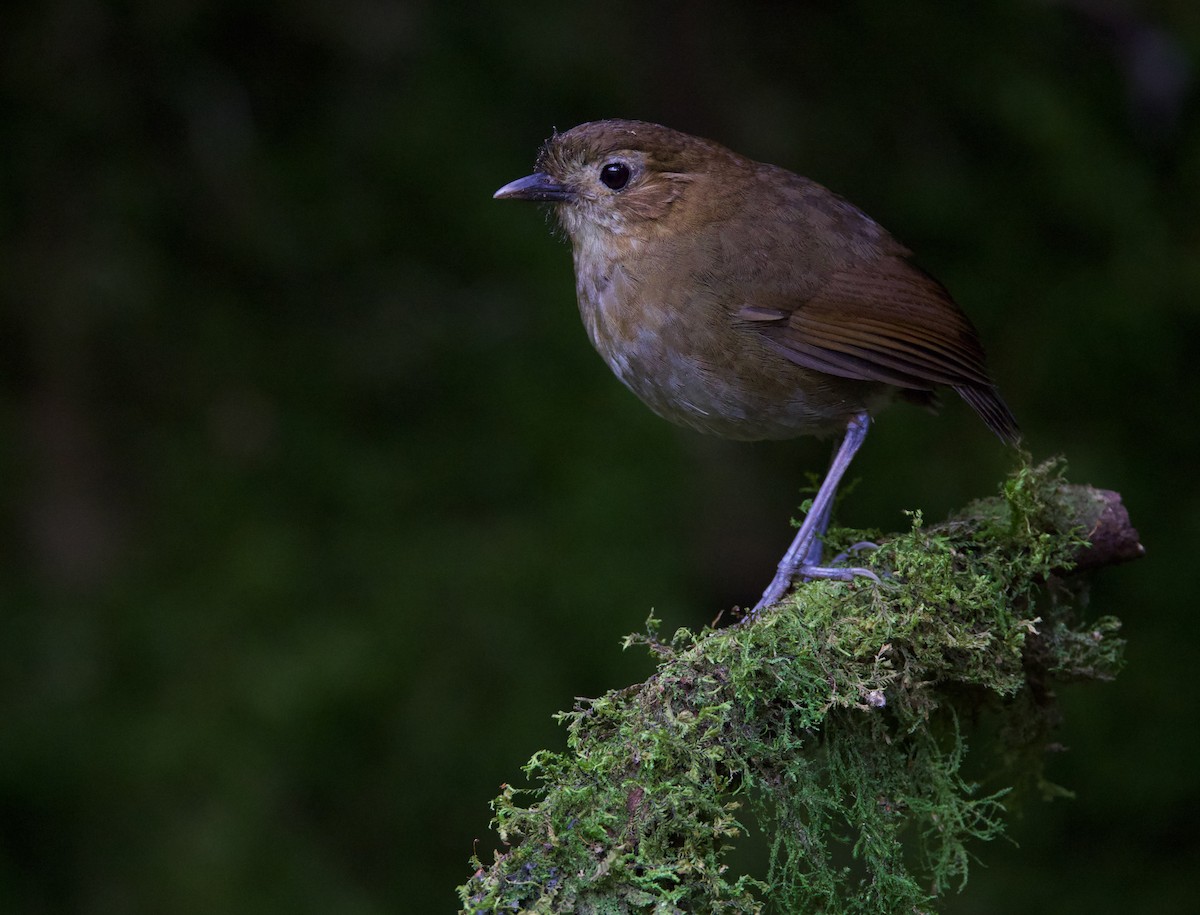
x: 539, y: 186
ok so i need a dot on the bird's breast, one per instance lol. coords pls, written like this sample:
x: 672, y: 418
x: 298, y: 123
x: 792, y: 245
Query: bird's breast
x: 676, y: 346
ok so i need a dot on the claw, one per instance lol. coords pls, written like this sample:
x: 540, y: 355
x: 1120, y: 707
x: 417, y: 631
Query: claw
x: 854, y: 548
x: 840, y: 573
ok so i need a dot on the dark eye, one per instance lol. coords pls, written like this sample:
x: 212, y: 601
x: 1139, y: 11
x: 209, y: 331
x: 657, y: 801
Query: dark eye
x: 614, y: 175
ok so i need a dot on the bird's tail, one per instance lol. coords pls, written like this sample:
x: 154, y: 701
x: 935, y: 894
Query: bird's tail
x: 986, y: 401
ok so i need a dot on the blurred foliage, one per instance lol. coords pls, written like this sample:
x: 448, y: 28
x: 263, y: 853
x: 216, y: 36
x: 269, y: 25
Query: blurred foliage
x: 306, y: 445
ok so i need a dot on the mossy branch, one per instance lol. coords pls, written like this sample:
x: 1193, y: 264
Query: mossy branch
x: 833, y: 723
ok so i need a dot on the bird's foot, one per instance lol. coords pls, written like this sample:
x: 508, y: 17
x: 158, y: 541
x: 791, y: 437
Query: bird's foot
x: 837, y: 573
x: 784, y: 578
x: 855, y: 549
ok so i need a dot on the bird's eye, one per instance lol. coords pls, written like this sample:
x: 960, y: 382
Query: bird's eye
x: 614, y: 175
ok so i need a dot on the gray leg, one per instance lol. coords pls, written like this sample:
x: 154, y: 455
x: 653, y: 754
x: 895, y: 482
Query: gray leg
x: 796, y: 561
x: 813, y: 557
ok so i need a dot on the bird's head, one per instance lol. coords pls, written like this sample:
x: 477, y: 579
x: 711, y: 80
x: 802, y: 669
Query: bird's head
x: 625, y: 178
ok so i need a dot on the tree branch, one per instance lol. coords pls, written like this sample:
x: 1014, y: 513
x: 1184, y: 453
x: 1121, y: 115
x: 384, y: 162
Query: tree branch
x: 831, y: 722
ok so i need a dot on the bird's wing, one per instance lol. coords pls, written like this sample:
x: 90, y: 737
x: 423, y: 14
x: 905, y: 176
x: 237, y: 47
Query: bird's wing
x: 888, y: 322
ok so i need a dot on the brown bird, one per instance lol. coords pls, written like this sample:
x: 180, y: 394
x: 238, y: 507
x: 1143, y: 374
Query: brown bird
x: 748, y: 302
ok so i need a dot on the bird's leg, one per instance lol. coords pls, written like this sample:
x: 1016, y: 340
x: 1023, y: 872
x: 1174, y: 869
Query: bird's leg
x: 816, y: 547
x: 802, y: 555
x: 814, y: 552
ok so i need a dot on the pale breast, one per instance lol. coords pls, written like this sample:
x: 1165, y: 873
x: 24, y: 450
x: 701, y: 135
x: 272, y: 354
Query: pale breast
x: 687, y: 360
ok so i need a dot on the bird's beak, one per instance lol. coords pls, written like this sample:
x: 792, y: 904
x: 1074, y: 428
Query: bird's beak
x: 539, y: 186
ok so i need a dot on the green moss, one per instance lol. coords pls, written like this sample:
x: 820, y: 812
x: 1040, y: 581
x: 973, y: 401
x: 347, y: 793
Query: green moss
x: 831, y: 723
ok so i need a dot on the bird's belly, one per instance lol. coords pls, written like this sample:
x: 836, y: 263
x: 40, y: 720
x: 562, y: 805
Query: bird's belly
x: 716, y: 379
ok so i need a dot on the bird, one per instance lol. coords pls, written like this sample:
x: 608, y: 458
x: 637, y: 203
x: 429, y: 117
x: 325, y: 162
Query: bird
x: 745, y: 301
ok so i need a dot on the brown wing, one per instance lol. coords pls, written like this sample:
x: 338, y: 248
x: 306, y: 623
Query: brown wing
x: 891, y: 323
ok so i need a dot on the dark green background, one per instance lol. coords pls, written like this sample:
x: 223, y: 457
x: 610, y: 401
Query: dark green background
x: 317, y: 503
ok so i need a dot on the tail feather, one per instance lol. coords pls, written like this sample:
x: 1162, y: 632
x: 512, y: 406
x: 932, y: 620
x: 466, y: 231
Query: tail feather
x: 992, y: 410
